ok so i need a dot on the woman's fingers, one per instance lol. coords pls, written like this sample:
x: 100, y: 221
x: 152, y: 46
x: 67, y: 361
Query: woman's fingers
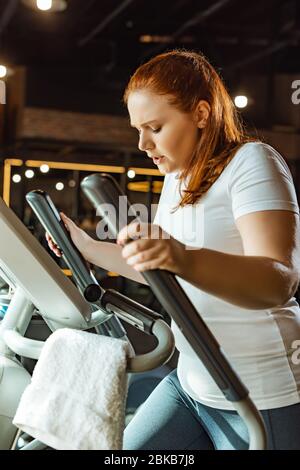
x: 49, y: 240
x: 66, y: 221
x: 144, y: 256
x: 137, y: 230
x: 57, y: 252
x: 52, y: 245
x: 136, y: 247
x: 130, y: 232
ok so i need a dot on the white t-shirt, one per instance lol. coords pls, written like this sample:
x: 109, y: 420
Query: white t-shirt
x: 261, y: 345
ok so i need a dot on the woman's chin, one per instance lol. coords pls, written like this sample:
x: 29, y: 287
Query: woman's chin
x: 166, y: 169
x: 163, y: 170
x: 166, y: 166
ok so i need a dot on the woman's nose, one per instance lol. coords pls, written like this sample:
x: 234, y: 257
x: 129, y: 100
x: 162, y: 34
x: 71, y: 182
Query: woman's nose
x: 145, y: 143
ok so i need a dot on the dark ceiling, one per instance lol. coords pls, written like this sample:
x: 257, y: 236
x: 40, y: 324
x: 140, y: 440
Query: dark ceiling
x: 96, y: 44
x: 80, y: 59
x: 108, y: 33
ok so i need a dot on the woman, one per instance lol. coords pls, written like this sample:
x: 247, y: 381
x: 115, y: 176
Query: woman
x: 229, y: 219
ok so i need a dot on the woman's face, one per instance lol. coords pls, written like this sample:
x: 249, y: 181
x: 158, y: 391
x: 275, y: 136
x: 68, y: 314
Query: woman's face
x: 167, y: 135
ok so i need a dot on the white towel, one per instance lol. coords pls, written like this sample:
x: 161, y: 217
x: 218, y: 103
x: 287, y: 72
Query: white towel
x: 76, y: 399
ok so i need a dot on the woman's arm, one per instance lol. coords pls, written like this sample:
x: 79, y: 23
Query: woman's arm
x: 266, y: 275
x: 103, y: 254
x: 108, y: 256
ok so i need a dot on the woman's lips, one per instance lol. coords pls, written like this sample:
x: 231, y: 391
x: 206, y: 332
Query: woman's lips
x: 157, y: 160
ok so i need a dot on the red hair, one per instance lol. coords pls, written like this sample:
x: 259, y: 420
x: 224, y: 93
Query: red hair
x: 188, y: 78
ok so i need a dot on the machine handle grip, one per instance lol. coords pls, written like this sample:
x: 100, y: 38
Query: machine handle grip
x: 46, y: 212
x: 158, y: 356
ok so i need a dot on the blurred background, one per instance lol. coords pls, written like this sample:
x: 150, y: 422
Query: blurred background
x: 64, y: 65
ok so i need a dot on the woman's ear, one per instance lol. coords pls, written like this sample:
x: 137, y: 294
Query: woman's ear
x: 202, y: 113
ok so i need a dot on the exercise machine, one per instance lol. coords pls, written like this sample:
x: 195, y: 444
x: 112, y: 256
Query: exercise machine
x: 39, y: 286
x: 102, y: 189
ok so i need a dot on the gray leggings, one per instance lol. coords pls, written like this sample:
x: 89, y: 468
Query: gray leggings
x: 171, y: 420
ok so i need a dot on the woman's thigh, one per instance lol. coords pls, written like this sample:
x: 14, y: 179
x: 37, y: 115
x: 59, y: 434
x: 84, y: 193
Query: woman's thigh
x: 283, y: 427
x: 164, y: 421
x: 229, y: 432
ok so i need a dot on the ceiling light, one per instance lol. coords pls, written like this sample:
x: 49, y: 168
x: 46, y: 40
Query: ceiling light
x: 29, y: 174
x: 131, y: 174
x: 44, y: 168
x: 241, y: 101
x: 146, y: 38
x: 3, y: 71
x: 46, y: 5
x: 59, y: 186
x: 16, y: 178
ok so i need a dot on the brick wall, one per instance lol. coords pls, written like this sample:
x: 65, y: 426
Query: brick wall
x: 116, y: 132
x: 78, y: 127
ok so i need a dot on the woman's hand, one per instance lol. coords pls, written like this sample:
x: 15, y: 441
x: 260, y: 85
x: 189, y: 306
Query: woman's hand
x: 152, y: 248
x: 79, y: 237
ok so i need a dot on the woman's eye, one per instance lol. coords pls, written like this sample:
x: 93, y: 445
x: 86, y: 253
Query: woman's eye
x: 156, y: 130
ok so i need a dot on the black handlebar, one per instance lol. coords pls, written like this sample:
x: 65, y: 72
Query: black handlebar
x: 48, y: 215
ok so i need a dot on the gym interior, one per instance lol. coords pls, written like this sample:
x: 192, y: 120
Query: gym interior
x: 66, y: 145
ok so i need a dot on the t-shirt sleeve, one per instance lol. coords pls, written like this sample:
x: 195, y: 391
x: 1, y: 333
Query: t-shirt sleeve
x: 260, y: 180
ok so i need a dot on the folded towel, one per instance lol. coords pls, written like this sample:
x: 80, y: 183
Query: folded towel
x: 76, y: 399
